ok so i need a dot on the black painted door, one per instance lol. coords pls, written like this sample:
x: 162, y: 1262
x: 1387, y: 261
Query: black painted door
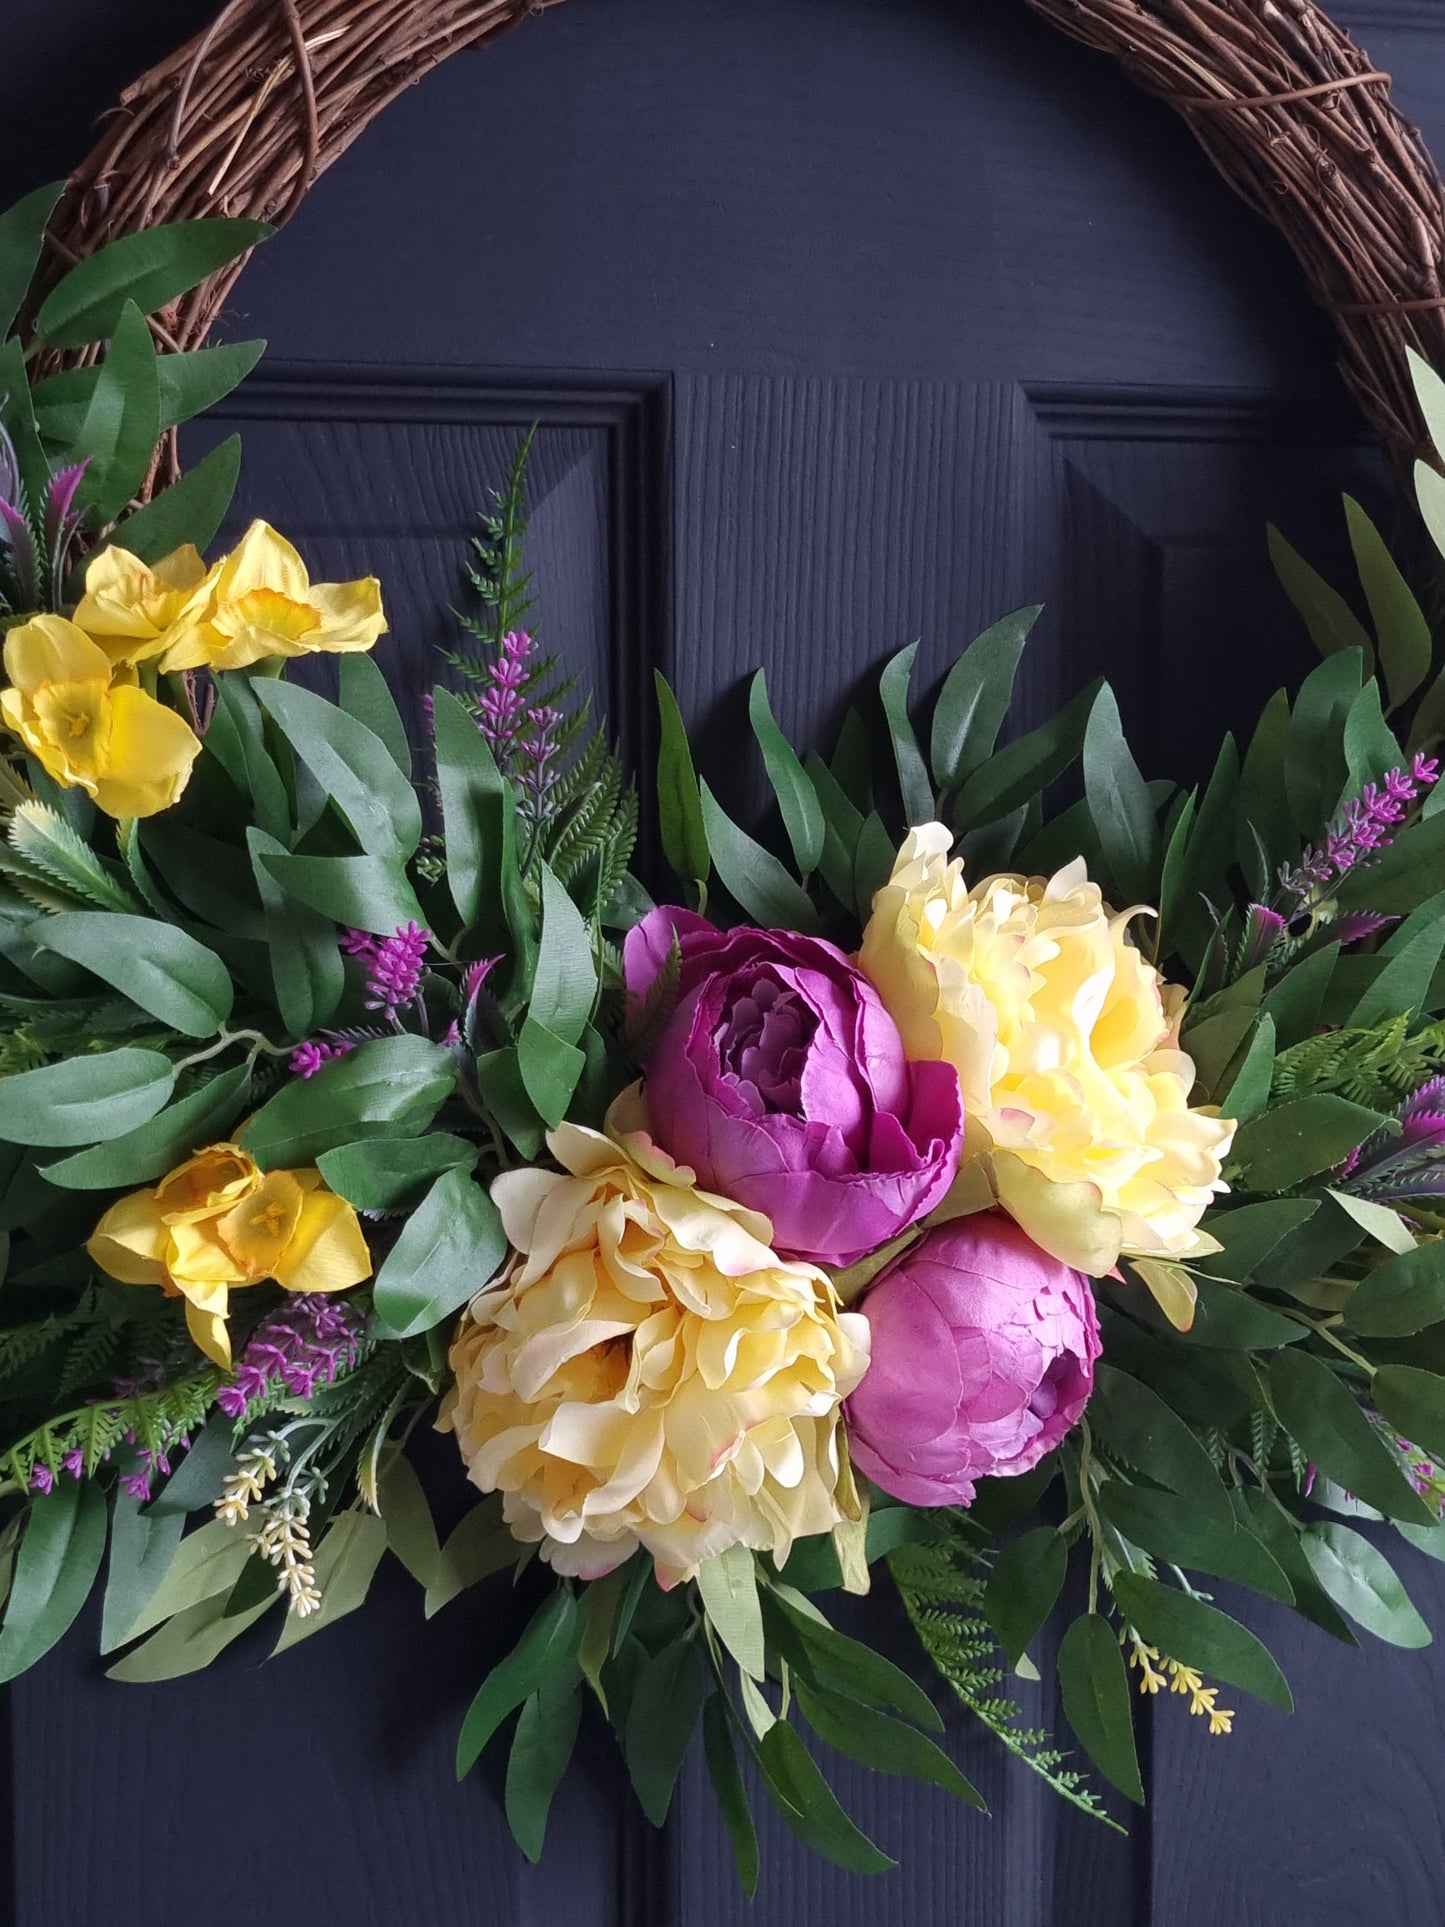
x: 846, y: 322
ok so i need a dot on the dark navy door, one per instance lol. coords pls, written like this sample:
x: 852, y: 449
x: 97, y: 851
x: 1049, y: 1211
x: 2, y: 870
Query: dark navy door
x: 846, y: 322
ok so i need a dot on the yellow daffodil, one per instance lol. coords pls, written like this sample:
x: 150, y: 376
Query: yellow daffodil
x: 130, y: 608
x: 218, y: 1223
x: 88, y: 729
x: 259, y: 603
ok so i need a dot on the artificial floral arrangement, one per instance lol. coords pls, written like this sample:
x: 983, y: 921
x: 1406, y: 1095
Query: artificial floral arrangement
x: 999, y: 1187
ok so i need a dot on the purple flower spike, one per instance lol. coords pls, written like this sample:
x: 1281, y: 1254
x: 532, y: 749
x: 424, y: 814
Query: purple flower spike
x: 502, y: 703
x: 137, y: 1485
x: 42, y: 1479
x: 358, y: 943
x: 74, y: 1461
x: 310, y: 1341
x: 308, y: 1058
x: 1364, y: 827
x: 395, y: 969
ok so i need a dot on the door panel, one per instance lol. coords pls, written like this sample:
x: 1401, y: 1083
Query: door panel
x: 845, y: 324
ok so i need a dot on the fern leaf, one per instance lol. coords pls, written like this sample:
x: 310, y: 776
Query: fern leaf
x: 42, y: 836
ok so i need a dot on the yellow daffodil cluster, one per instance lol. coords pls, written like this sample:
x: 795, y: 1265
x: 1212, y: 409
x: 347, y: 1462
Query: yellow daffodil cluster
x: 1156, y: 1672
x: 80, y: 695
x: 218, y: 1223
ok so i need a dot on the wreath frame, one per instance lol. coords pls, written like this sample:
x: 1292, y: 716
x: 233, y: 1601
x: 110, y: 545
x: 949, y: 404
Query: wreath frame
x: 243, y: 118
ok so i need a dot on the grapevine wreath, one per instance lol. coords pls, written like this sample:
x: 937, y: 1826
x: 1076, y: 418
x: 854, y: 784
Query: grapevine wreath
x: 967, y: 1142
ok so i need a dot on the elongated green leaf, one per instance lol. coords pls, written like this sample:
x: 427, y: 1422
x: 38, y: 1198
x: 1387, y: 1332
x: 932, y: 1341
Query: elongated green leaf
x: 1134, y: 1423
x: 1249, y: 1093
x: 481, y: 1545
x: 1264, y: 833
x: 1119, y: 803
x: 975, y: 698
x: 345, y: 1563
x: 1315, y: 770
x: 1401, y: 630
x: 913, y: 783
x: 661, y: 1720
x: 1332, y: 624
x: 1227, y: 1549
x: 472, y: 796
x: 1200, y: 1636
x: 880, y: 1741
x: 753, y: 875
x: 306, y: 968
x: 1402, y: 1296
x: 366, y: 892
x: 122, y: 423
x: 190, y: 510
x: 142, y: 1546
x: 797, y: 799
x: 1403, y: 983
x: 538, y: 1656
x: 1414, y: 1403
x: 1430, y: 494
x: 198, y: 1479
x: 1363, y: 1584
x: 22, y: 235
x: 386, y: 1173
x: 193, y: 382
x: 1430, y: 393
x: 1296, y: 1140
x: 1024, y: 769
x: 55, y: 1568
x: 1324, y: 1416
x: 150, y: 268
x: 84, y: 1100
x: 189, y: 1643
x: 1228, y: 1319
x: 410, y: 1530
x: 808, y: 1805
x: 155, y: 964
x: 732, y: 1795
x: 685, y: 841
x: 832, y: 1659
x: 353, y: 766
x: 448, y: 1249
x: 1095, y: 1687
x: 207, y: 1564
x: 1250, y: 1232
x: 564, y: 986
x: 156, y: 1146
x: 390, y: 1087
x: 728, y: 1584
x: 541, y: 1749
x: 1025, y: 1583
x: 363, y: 692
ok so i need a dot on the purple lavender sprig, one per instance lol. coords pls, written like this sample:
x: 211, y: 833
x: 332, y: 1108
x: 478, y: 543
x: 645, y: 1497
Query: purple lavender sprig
x: 310, y: 1055
x: 395, y: 968
x: 1365, y: 826
x: 503, y: 707
x: 312, y: 1340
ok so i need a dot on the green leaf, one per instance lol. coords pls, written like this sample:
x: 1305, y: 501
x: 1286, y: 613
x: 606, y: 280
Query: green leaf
x: 406, y: 1517
x: 365, y: 892
x: 150, y: 268
x: 1403, y: 984
x: 1402, y: 877
x: 538, y: 1656
x: 564, y: 986
x: 832, y: 1659
x: 188, y: 1643
x: 1378, y: 1221
x: 154, y: 1147
x: 1137, y: 1426
x: 142, y: 1546
x: 1324, y: 1416
x: 237, y: 740
x: 352, y: 765
x: 1401, y: 1296
x: 879, y: 1741
x: 732, y: 1795
x: 198, y: 1480
x: 1430, y: 393
x: 1332, y: 624
x: 306, y: 967
x: 1023, y: 1587
x: 450, y: 1247
x: 1362, y: 1583
x: 685, y: 841
x: 541, y: 1750
x: 808, y: 1806
x: 728, y: 1584
x: 385, y: 1173
x: 1024, y: 769
x: 1400, y: 626
x: 362, y: 692
x: 1294, y: 1004
x: 1414, y: 1403
x: 975, y: 698
x: 472, y: 798
x: 1250, y: 1232
x: 481, y: 1545
x: 122, y: 423
x: 1369, y: 742
x: 84, y: 1100
x: 666, y: 1702
x: 207, y: 1564
x: 913, y: 783
x: 1225, y: 1548
x: 1296, y: 1140
x: 1261, y: 817
x: 389, y: 1087
x: 797, y: 799
x: 600, y: 1604
x: 190, y: 510
x: 752, y: 875
x: 22, y: 235
x: 1095, y: 1688
x: 1228, y: 1319
x: 551, y: 1069
x: 192, y: 382
x: 1119, y: 803
x: 55, y: 1568
x: 156, y: 965
x: 1200, y: 1636
x: 1315, y: 772
x: 346, y: 1561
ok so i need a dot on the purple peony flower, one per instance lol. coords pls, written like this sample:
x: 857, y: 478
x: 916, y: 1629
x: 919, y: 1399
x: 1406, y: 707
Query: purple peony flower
x: 781, y: 1080
x: 983, y: 1358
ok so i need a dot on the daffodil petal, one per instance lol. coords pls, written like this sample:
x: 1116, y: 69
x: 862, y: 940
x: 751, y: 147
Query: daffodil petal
x: 327, y: 1251
x: 151, y: 751
x: 130, y: 1241
x: 208, y: 1331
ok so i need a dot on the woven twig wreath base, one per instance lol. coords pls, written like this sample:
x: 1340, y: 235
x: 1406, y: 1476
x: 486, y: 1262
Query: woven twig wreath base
x: 1291, y: 112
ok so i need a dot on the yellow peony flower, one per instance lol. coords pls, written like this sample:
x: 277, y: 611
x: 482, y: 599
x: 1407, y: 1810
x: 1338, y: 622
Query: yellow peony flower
x: 260, y: 603
x: 649, y: 1372
x: 88, y: 730
x: 1076, y: 1096
x: 130, y: 608
x: 218, y: 1223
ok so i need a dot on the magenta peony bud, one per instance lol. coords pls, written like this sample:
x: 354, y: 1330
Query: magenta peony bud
x: 782, y: 1082
x: 983, y: 1358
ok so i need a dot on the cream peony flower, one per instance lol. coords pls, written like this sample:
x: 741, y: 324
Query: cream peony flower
x: 1076, y: 1096
x: 649, y: 1372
